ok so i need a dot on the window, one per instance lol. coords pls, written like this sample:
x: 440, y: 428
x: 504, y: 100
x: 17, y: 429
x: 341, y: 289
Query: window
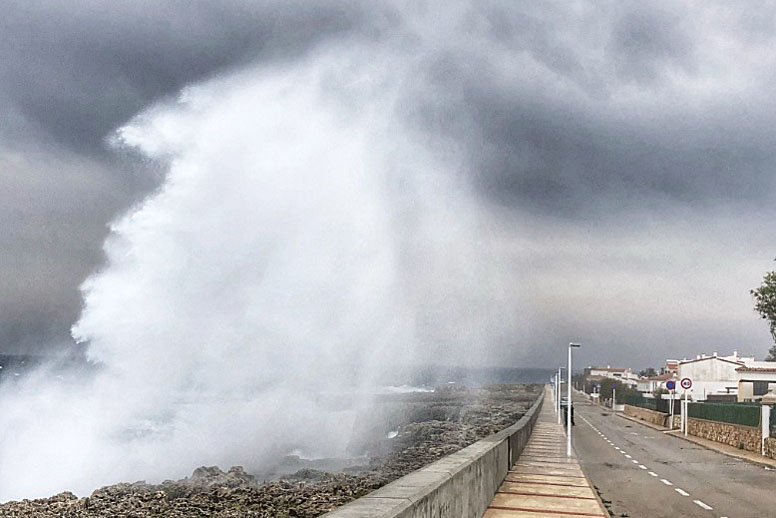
x: 760, y: 387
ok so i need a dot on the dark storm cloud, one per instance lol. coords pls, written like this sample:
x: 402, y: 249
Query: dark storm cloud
x: 75, y: 70
x: 585, y: 111
x: 567, y: 161
x: 645, y: 42
x: 70, y: 73
x: 553, y: 134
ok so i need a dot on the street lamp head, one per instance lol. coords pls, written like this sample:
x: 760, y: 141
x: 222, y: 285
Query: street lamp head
x: 572, y: 344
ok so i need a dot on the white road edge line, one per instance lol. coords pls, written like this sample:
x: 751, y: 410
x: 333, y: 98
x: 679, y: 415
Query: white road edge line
x: 653, y: 473
x: 666, y: 482
x: 682, y: 492
x: 628, y: 456
x: 642, y: 466
x: 705, y: 506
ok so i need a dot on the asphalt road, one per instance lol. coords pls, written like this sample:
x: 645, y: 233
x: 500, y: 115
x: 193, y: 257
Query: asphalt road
x: 642, y: 472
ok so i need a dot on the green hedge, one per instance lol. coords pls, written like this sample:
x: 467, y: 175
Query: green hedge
x: 747, y: 415
x: 640, y: 401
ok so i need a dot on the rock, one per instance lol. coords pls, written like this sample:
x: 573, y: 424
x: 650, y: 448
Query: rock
x: 213, y: 477
x: 436, y: 425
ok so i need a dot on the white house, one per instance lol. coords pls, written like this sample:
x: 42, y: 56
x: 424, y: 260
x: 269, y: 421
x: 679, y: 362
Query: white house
x: 711, y: 375
x: 672, y: 366
x: 755, y: 380
x: 622, y: 374
x: 652, y: 384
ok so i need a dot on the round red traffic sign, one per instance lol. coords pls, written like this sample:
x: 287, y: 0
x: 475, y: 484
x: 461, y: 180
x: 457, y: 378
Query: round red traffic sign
x: 686, y: 383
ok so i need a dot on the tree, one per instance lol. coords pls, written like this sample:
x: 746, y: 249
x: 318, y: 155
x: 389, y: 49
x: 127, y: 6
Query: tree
x: 623, y: 391
x: 648, y: 372
x: 765, y: 305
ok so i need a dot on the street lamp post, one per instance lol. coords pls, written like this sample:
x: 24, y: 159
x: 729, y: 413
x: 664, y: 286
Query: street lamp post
x: 557, y: 403
x: 568, y: 404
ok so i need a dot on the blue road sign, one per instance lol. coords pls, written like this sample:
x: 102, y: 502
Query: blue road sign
x: 670, y: 384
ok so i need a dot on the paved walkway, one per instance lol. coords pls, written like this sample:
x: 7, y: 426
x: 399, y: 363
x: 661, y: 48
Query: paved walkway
x: 544, y: 483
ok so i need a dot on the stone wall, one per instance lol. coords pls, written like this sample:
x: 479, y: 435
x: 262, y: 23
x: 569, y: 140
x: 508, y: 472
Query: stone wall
x: 742, y: 437
x: 645, y: 414
x: 770, y: 447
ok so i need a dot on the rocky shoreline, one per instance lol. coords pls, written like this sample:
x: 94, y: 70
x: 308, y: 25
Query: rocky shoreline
x: 433, y: 425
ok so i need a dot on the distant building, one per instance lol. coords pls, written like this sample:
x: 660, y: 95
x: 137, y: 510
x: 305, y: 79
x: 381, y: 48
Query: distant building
x: 648, y: 386
x: 622, y: 374
x: 672, y: 367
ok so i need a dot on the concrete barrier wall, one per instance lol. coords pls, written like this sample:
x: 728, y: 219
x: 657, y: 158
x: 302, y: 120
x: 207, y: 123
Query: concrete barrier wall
x: 460, y: 485
x: 645, y: 414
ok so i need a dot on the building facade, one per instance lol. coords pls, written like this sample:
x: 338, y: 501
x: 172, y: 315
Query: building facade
x: 755, y: 380
x: 622, y: 374
x: 710, y: 375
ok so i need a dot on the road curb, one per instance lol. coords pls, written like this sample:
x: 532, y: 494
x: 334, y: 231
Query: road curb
x: 708, y: 447
x: 593, y: 487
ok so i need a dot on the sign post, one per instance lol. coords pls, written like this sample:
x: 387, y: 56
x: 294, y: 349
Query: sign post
x: 686, y: 384
x: 671, y: 386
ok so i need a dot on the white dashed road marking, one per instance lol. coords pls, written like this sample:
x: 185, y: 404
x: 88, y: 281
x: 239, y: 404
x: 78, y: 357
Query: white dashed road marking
x: 682, y: 492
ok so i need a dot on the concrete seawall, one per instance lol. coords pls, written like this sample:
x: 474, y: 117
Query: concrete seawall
x: 460, y: 485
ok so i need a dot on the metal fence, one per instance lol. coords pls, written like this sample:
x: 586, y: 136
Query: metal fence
x: 734, y: 413
x: 659, y: 405
x: 773, y: 421
x: 641, y: 401
x: 747, y: 414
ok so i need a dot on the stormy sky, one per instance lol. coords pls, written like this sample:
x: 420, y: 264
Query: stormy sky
x: 628, y: 150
